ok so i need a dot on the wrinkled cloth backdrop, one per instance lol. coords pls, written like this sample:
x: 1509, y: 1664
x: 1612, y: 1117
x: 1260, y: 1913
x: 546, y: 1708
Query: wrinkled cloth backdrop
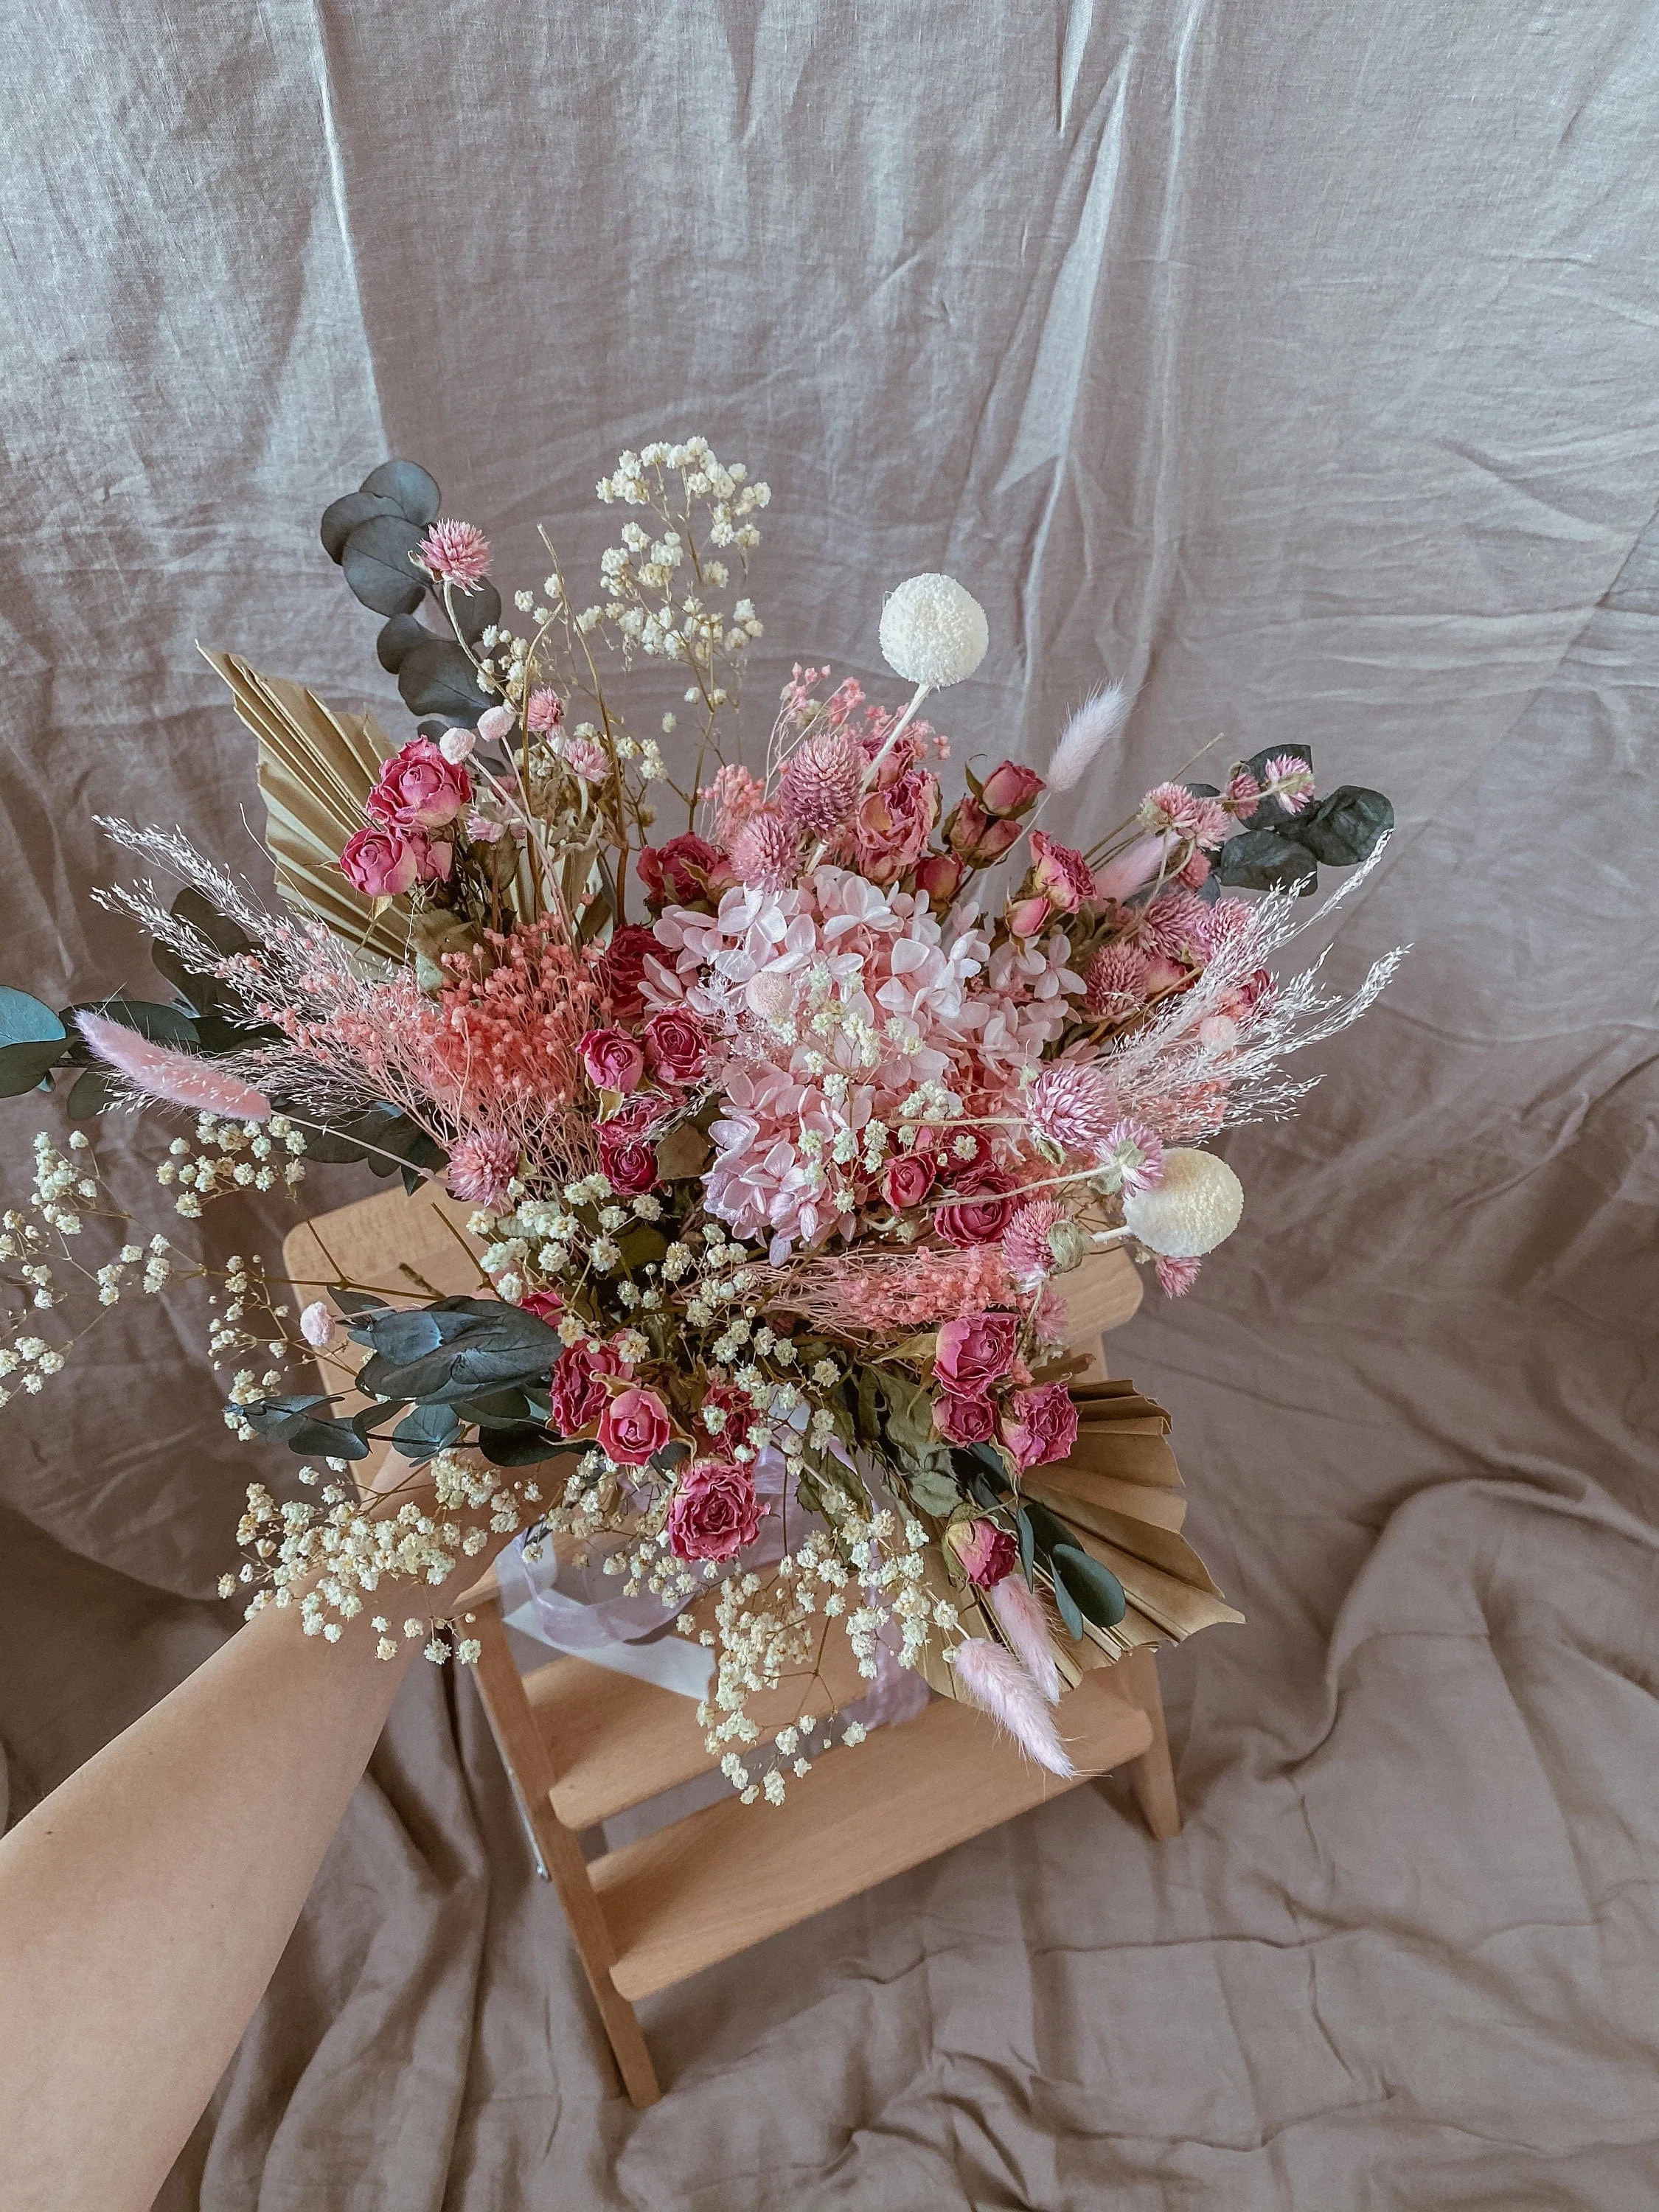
x: 1297, y: 363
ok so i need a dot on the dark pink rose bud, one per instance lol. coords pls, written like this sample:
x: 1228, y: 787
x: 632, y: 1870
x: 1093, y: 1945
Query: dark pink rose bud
x: 987, y: 1552
x: 907, y: 1180
x: 1039, y: 1425
x: 678, y: 1045
x: 1010, y: 788
x: 940, y: 874
x: 634, y: 1425
x: 975, y: 1351
x: 418, y: 789
x: 715, y: 1512
x: 962, y: 1417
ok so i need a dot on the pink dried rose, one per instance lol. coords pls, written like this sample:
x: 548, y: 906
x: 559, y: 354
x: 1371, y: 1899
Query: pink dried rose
x: 1063, y: 877
x: 963, y: 1417
x: 629, y: 1163
x: 614, y: 1061
x: 577, y: 1396
x: 419, y: 788
x: 940, y: 874
x: 634, y: 1425
x: 975, y: 1351
x: 688, y: 871
x: 726, y: 1415
x: 981, y: 1217
x: 546, y: 1303
x: 382, y: 862
x: 987, y: 1552
x: 455, y: 553
x: 678, y: 1046
x: 892, y: 825
x: 714, y: 1513
x: 978, y: 836
x: 907, y: 1180
x: 622, y: 969
x: 1039, y: 1425
x: 1010, y: 788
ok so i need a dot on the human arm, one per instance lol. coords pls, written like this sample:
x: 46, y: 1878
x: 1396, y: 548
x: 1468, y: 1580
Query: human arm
x: 144, y: 1904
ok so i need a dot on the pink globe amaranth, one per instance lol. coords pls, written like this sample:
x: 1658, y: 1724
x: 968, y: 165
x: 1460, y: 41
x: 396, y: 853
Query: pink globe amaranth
x: 678, y: 1046
x: 715, y: 1512
x: 987, y: 1553
x: 456, y: 553
x: 482, y: 1165
x: 577, y: 1394
x: 418, y: 789
x: 1075, y: 1102
x: 981, y: 1217
x: 1041, y: 1424
x: 907, y: 1181
x: 965, y: 1417
x: 975, y: 1350
x: 382, y: 862
x: 634, y: 1425
x: 614, y: 1061
x: 766, y: 854
x: 819, y: 786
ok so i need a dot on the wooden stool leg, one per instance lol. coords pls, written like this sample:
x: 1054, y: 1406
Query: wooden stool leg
x: 1151, y: 1776
x: 525, y: 1757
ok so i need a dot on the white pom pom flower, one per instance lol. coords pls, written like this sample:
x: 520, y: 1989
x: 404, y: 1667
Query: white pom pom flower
x: 934, y: 632
x: 1196, y: 1207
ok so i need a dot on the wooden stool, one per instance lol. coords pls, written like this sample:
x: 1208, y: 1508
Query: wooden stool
x: 583, y: 1742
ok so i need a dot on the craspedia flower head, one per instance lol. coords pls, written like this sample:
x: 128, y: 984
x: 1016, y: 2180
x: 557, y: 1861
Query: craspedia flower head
x: 1196, y: 1207
x: 819, y: 786
x: 1026, y: 1249
x: 934, y: 632
x: 455, y: 553
x: 1115, y: 980
x: 481, y: 1166
x: 765, y: 853
x: 1074, y: 1103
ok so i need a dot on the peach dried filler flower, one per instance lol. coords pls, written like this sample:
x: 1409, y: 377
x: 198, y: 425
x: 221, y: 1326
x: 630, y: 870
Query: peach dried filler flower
x: 776, y: 1140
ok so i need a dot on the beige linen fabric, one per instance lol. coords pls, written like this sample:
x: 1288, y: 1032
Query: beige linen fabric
x: 1296, y: 362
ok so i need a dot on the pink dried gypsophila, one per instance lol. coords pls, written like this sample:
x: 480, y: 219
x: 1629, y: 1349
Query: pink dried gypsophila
x: 734, y: 797
x: 1075, y: 1103
x: 1021, y: 1618
x: 456, y: 553
x: 175, y: 1079
x: 995, y: 1681
x: 1025, y: 1247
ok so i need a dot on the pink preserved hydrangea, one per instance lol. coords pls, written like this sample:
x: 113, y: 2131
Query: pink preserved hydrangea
x: 456, y: 553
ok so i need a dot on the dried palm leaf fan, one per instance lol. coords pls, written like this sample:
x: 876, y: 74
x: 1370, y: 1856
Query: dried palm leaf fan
x: 316, y: 769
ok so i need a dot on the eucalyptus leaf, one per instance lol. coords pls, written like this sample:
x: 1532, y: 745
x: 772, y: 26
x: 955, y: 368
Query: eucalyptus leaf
x: 1070, y: 1613
x: 525, y: 1446
x: 409, y: 486
x: 198, y: 911
x: 436, y: 679
x: 1095, y: 1589
x: 1265, y: 860
x: 475, y: 611
x: 357, y: 1302
x: 397, y: 640
x: 1344, y: 828
x: 934, y: 1492
x: 426, y: 1430
x: 91, y: 1094
x: 342, y: 516
x: 376, y: 563
x: 32, y: 1041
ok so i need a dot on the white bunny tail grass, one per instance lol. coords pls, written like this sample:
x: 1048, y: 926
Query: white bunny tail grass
x: 1020, y: 1617
x: 996, y: 1682
x: 1094, y: 724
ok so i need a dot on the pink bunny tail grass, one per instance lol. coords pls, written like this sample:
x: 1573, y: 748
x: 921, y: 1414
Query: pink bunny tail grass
x: 1094, y: 724
x: 996, y: 1682
x: 178, y: 1079
x: 1020, y: 1617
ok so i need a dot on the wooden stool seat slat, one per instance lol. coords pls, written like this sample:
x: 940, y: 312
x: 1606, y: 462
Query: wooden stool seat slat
x: 732, y: 1874
x: 583, y: 1742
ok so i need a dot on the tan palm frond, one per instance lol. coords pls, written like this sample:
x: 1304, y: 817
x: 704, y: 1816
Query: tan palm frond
x: 316, y: 769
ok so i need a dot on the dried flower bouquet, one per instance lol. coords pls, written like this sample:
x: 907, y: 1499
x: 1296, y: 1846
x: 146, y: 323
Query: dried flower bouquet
x: 780, y: 1138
